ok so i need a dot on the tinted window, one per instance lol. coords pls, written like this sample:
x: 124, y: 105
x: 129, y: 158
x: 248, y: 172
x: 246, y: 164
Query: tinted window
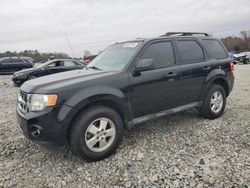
x: 189, y: 51
x: 55, y: 64
x: 214, y: 49
x: 5, y: 61
x: 162, y: 54
x: 69, y: 64
x: 16, y: 60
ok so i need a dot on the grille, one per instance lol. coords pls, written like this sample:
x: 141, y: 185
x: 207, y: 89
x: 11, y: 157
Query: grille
x: 22, y: 101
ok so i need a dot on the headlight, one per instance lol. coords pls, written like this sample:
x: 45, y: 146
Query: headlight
x: 18, y: 74
x: 38, y: 102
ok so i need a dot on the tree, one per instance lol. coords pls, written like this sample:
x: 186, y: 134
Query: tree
x: 238, y: 43
x: 236, y: 49
x: 245, y: 38
x: 36, y: 55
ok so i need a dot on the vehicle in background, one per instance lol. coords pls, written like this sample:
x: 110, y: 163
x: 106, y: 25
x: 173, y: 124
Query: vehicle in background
x: 13, y: 64
x: 243, y: 57
x: 28, y: 59
x: 42, y: 69
x: 128, y: 83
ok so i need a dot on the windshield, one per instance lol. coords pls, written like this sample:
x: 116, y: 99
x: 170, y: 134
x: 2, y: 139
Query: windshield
x: 115, y: 57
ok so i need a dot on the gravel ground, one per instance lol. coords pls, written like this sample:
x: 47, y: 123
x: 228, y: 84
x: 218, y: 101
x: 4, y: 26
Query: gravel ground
x: 181, y: 150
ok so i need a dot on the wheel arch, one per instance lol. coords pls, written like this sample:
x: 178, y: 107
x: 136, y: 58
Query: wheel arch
x: 110, y: 101
x: 220, y: 80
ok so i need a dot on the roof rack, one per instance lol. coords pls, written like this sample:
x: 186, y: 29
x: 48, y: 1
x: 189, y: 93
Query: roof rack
x: 184, y: 34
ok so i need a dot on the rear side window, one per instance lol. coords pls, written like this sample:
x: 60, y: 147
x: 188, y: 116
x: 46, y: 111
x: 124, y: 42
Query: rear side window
x: 55, y: 64
x: 214, y: 49
x: 189, y: 51
x: 162, y: 54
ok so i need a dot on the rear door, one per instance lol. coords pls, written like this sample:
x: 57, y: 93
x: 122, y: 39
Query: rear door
x: 194, y: 69
x: 156, y: 90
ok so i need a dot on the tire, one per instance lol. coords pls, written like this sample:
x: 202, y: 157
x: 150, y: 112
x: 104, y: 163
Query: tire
x: 213, y: 106
x: 87, y: 127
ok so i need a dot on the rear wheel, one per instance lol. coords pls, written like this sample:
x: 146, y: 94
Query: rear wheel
x: 96, y: 133
x: 214, y: 102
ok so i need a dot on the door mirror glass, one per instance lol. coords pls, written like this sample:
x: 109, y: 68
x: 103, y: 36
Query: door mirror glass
x: 144, y: 65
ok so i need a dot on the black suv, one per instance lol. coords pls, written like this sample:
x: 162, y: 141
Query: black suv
x: 128, y: 83
x: 12, y: 64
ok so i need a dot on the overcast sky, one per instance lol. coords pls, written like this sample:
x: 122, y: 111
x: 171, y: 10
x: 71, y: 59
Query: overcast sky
x: 94, y: 24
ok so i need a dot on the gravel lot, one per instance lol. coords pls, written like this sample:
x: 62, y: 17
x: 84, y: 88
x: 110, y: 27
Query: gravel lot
x: 181, y: 150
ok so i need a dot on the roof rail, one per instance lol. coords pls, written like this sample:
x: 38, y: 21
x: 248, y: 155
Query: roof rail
x: 184, y: 34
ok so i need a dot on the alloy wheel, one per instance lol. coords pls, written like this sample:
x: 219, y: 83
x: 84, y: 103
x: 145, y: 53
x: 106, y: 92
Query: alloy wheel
x: 100, y: 134
x: 216, y: 102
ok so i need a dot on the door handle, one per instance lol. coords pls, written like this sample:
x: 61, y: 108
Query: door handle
x: 206, y: 68
x: 171, y: 75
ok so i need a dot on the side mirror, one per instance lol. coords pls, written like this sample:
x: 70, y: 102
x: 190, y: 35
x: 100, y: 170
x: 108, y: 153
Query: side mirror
x: 144, y: 65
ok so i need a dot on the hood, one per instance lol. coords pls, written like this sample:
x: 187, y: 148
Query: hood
x: 25, y: 71
x: 55, y: 82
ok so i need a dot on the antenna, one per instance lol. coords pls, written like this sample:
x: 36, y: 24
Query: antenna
x: 73, y: 55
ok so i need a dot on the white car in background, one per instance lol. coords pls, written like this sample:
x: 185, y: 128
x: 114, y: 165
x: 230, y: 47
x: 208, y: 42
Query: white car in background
x: 243, y: 57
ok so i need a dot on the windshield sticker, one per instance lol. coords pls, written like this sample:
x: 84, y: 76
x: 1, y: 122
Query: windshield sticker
x: 130, y: 45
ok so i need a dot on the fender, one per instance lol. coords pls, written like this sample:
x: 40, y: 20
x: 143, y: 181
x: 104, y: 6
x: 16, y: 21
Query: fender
x: 90, y: 94
x: 94, y: 95
x: 216, y: 74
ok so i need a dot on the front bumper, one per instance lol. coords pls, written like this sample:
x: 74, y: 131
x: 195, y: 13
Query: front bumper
x: 49, y: 126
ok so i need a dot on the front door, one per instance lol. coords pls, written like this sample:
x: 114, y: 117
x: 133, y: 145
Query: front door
x: 156, y: 90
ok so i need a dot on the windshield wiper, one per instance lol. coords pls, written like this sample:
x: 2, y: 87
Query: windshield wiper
x: 93, y: 67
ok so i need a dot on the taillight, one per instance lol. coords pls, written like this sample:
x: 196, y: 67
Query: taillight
x: 232, y: 67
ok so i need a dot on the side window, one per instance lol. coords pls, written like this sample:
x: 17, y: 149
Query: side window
x: 189, y: 51
x: 69, y: 64
x: 162, y: 54
x: 214, y: 49
x: 54, y: 64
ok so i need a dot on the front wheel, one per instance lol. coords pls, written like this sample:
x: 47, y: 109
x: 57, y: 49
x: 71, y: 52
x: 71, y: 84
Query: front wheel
x: 214, y: 102
x: 96, y: 133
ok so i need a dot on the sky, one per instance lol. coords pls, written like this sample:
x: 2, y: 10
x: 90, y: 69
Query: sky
x: 48, y: 25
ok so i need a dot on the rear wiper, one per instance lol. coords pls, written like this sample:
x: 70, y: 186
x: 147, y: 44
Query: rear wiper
x: 93, y: 67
